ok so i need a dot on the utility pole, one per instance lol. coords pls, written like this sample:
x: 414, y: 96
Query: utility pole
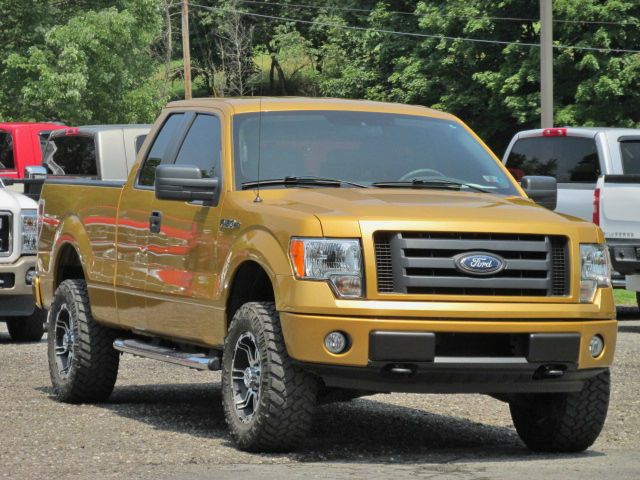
x: 546, y: 63
x: 186, y: 54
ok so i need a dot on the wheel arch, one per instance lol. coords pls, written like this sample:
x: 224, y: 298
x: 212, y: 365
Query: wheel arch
x: 250, y: 282
x: 68, y: 264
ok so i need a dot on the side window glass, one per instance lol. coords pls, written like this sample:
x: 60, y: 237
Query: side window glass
x: 630, y: 153
x: 160, y: 149
x: 202, y: 146
x: 6, y: 152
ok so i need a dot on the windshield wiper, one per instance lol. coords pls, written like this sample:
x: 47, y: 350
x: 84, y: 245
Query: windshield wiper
x: 434, y: 183
x: 306, y: 180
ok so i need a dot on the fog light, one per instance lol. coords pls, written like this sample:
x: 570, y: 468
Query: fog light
x: 336, y: 342
x: 28, y: 278
x: 596, y: 346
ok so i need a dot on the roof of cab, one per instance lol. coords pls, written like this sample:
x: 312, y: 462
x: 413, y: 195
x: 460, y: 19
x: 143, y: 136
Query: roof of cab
x: 93, y: 129
x: 10, y: 126
x: 235, y: 105
x: 539, y: 132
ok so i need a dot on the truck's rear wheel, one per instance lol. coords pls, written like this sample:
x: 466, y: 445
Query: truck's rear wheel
x: 27, y: 329
x: 268, y: 401
x: 562, y: 422
x: 82, y: 361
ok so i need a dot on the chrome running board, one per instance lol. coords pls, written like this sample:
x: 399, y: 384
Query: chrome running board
x: 198, y: 361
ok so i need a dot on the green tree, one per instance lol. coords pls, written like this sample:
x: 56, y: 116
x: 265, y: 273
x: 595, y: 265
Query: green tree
x: 96, y: 67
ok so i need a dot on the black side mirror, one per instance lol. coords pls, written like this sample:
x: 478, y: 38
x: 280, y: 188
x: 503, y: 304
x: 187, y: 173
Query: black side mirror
x: 542, y: 190
x: 184, y: 182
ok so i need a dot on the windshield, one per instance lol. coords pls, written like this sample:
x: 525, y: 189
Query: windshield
x: 363, y: 148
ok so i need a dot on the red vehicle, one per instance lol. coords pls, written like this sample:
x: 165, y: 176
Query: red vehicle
x: 21, y: 146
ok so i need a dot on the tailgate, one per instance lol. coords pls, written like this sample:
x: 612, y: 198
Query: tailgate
x: 620, y: 206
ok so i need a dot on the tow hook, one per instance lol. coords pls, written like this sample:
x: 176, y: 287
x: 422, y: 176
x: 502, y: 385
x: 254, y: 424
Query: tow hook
x: 405, y: 370
x: 549, y: 371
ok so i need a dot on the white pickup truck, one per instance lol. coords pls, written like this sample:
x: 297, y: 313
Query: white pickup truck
x: 617, y: 211
x: 18, y: 243
x: 598, y: 175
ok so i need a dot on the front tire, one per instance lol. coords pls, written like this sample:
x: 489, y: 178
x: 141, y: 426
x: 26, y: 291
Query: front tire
x: 268, y: 401
x: 83, y: 364
x: 562, y: 422
x: 27, y: 329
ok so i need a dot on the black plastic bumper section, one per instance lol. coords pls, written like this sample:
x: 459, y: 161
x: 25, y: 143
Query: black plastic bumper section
x: 409, y: 362
x: 625, y: 257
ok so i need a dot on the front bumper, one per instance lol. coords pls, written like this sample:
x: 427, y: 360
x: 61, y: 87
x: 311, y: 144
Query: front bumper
x: 17, y: 298
x: 358, y: 368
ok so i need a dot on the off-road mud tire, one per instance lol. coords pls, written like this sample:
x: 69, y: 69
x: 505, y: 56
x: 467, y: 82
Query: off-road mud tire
x: 27, y: 329
x: 562, y: 422
x: 94, y: 367
x: 288, y: 394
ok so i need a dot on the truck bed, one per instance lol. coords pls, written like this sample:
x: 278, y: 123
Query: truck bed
x: 89, y: 210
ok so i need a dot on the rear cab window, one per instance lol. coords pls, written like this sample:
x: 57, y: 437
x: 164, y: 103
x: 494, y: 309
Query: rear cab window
x: 568, y: 159
x: 72, y: 155
x: 630, y: 155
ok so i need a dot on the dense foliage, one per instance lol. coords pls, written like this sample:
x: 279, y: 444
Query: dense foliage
x: 96, y: 61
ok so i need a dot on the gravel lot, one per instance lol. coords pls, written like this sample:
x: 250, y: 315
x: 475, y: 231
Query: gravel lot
x: 164, y: 421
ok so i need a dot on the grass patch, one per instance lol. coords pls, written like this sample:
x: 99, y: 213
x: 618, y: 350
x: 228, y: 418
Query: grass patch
x: 624, y: 297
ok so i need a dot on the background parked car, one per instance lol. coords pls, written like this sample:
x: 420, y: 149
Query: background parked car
x: 22, y: 145
x: 106, y: 152
x: 18, y: 243
x: 598, y: 174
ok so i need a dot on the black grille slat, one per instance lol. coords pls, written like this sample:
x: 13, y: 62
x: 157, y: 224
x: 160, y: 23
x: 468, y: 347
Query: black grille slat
x: 423, y: 263
x: 473, y: 244
x: 5, y: 233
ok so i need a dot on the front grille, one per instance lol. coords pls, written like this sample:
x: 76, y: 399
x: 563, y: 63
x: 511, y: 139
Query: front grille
x: 7, y: 280
x: 5, y: 233
x: 423, y: 263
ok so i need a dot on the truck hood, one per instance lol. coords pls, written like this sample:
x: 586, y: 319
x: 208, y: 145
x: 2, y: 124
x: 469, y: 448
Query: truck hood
x: 356, y: 211
x: 15, y: 201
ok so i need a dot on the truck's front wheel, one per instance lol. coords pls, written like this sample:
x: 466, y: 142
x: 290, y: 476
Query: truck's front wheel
x: 27, y: 329
x: 562, y: 422
x: 82, y: 361
x: 268, y: 401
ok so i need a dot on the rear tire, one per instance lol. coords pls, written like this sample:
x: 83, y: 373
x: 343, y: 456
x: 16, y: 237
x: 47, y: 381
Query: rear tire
x: 638, y: 299
x: 82, y: 361
x: 279, y: 397
x: 562, y: 422
x: 27, y: 329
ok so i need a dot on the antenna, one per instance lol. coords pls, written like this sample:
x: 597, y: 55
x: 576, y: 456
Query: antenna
x: 258, y: 199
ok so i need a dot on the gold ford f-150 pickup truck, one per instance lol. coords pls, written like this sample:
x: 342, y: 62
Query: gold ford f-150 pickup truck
x: 317, y: 250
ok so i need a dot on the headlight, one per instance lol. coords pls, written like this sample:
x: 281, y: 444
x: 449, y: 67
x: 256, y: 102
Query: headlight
x: 595, y: 270
x: 337, y: 261
x: 29, y: 231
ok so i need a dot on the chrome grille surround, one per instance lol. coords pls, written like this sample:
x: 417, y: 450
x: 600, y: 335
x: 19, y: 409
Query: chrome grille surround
x: 424, y: 263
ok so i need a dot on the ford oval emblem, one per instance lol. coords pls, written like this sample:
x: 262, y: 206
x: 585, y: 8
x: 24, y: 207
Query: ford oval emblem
x: 479, y: 263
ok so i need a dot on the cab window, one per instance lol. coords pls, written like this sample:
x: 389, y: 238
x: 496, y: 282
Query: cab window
x: 160, y: 150
x: 568, y: 159
x: 201, y: 146
x: 630, y: 153
x: 6, y: 152
x: 72, y: 155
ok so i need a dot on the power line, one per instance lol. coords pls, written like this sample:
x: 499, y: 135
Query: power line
x: 396, y: 12
x: 412, y: 34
